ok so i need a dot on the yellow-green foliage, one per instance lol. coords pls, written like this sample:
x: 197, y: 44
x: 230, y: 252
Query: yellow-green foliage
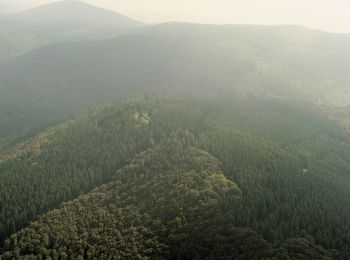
x: 168, y: 188
x: 33, y: 145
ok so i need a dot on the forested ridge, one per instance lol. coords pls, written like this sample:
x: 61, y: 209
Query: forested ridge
x: 288, y: 165
x: 60, y: 80
x: 170, y: 202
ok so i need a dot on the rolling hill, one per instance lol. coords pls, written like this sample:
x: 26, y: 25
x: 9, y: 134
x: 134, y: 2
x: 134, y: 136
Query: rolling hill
x: 60, y: 21
x: 16, y: 41
x: 207, y: 62
x: 286, y: 164
x: 74, y: 12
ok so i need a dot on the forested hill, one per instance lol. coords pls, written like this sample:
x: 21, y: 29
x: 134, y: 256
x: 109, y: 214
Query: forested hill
x: 57, y: 81
x: 171, y: 202
x: 290, y: 164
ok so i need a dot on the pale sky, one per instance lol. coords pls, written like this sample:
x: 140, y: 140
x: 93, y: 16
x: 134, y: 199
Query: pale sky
x: 327, y: 15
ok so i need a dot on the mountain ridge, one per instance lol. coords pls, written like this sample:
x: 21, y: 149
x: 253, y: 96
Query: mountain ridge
x: 73, y: 11
x: 57, y: 22
x: 207, y: 62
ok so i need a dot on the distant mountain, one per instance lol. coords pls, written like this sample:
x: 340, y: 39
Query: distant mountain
x: 15, y: 41
x: 206, y: 62
x: 61, y: 21
x: 284, y: 61
x: 74, y: 12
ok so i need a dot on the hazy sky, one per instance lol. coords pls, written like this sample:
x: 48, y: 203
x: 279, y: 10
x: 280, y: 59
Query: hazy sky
x: 328, y: 15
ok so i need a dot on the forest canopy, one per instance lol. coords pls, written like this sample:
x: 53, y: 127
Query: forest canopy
x: 281, y: 180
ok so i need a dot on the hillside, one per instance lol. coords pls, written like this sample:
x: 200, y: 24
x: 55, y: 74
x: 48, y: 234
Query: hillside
x: 169, y: 202
x: 201, y: 61
x: 60, y: 21
x: 74, y: 12
x: 15, y: 41
x: 286, y: 160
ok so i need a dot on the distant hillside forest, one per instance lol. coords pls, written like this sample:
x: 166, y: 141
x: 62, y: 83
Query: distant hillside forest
x: 165, y: 178
x: 67, y: 76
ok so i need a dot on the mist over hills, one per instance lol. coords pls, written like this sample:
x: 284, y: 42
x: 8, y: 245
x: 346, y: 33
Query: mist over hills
x: 194, y: 142
x: 201, y: 61
x: 60, y: 21
x: 74, y: 12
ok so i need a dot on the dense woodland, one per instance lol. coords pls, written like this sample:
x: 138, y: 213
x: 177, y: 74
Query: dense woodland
x: 287, y: 167
x: 171, y: 201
